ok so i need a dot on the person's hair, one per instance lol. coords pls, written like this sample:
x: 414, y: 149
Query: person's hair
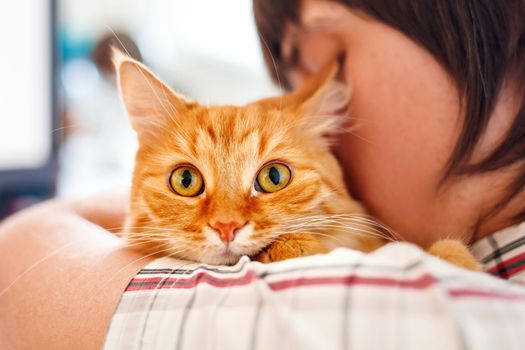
x: 481, y: 44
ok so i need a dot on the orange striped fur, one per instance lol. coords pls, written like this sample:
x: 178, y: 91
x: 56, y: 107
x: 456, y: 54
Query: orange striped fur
x: 229, y: 145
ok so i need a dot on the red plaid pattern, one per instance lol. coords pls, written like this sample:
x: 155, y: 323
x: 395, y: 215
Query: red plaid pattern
x: 503, y: 254
x: 397, y: 297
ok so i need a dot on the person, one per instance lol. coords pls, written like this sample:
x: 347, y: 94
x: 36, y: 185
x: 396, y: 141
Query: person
x: 435, y: 148
x: 62, y: 272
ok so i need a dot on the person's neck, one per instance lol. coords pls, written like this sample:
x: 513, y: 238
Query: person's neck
x: 512, y: 214
x: 491, y: 220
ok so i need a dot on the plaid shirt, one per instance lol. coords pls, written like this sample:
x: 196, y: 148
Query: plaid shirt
x: 397, y: 297
x: 503, y: 253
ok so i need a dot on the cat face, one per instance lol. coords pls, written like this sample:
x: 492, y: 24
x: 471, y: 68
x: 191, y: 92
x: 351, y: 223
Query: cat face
x: 214, y: 183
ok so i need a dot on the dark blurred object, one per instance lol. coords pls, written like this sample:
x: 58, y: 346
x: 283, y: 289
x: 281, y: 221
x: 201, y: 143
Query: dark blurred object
x: 22, y: 187
x: 12, y: 204
x: 102, y: 52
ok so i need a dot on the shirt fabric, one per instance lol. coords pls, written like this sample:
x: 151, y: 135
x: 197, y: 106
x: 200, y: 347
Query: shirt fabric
x: 503, y: 253
x: 397, y: 297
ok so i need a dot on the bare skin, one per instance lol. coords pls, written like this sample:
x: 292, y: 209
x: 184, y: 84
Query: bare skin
x: 406, y: 119
x: 62, y: 275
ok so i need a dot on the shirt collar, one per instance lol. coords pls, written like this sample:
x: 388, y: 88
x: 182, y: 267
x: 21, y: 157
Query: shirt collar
x: 503, y: 253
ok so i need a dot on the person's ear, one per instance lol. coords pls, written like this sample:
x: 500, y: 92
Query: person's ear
x: 149, y: 102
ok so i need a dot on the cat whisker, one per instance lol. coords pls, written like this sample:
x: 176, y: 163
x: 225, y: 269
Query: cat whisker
x: 167, y: 229
x: 62, y: 128
x: 172, y: 117
x: 127, y: 244
x: 38, y: 262
x: 158, y: 234
x: 138, y: 259
x: 331, y: 220
x: 336, y: 224
x: 354, y: 231
x: 50, y: 255
x: 340, y: 227
x: 267, y: 48
x: 325, y: 215
x: 151, y: 228
x: 382, y: 227
x: 325, y: 235
x: 361, y: 218
x: 124, y: 227
x: 365, y: 217
x: 141, y: 243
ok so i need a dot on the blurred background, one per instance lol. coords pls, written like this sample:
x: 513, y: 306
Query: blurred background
x: 62, y: 129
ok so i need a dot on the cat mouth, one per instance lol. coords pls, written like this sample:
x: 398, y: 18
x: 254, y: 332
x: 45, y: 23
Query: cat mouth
x: 225, y: 257
x: 230, y: 255
x: 228, y: 251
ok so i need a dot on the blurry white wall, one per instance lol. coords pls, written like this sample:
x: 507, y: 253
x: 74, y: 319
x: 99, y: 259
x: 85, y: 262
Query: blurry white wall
x: 206, y: 49
x: 205, y: 46
x: 25, y: 113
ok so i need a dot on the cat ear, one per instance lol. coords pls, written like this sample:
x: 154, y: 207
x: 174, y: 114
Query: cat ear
x: 322, y: 94
x: 324, y: 102
x: 320, y: 103
x: 149, y: 102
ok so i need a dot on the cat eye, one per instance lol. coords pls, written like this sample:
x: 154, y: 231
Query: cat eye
x: 273, y: 177
x: 186, y: 181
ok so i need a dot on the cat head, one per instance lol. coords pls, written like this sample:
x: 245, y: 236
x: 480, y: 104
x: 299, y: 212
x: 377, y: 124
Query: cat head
x: 213, y: 183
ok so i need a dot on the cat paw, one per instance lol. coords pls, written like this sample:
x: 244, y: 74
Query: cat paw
x: 455, y: 252
x: 291, y: 246
x: 264, y: 257
x: 275, y: 253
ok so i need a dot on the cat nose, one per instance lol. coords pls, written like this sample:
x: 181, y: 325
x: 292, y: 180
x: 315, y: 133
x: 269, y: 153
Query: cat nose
x: 227, y: 230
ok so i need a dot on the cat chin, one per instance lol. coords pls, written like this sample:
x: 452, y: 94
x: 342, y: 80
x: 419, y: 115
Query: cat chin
x: 227, y: 258
x: 218, y: 253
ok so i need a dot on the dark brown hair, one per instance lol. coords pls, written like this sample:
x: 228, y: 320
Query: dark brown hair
x: 481, y: 44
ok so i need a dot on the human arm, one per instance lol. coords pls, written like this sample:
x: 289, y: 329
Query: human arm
x: 62, y: 273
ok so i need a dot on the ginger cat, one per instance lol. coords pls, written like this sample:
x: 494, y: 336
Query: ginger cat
x: 213, y: 183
